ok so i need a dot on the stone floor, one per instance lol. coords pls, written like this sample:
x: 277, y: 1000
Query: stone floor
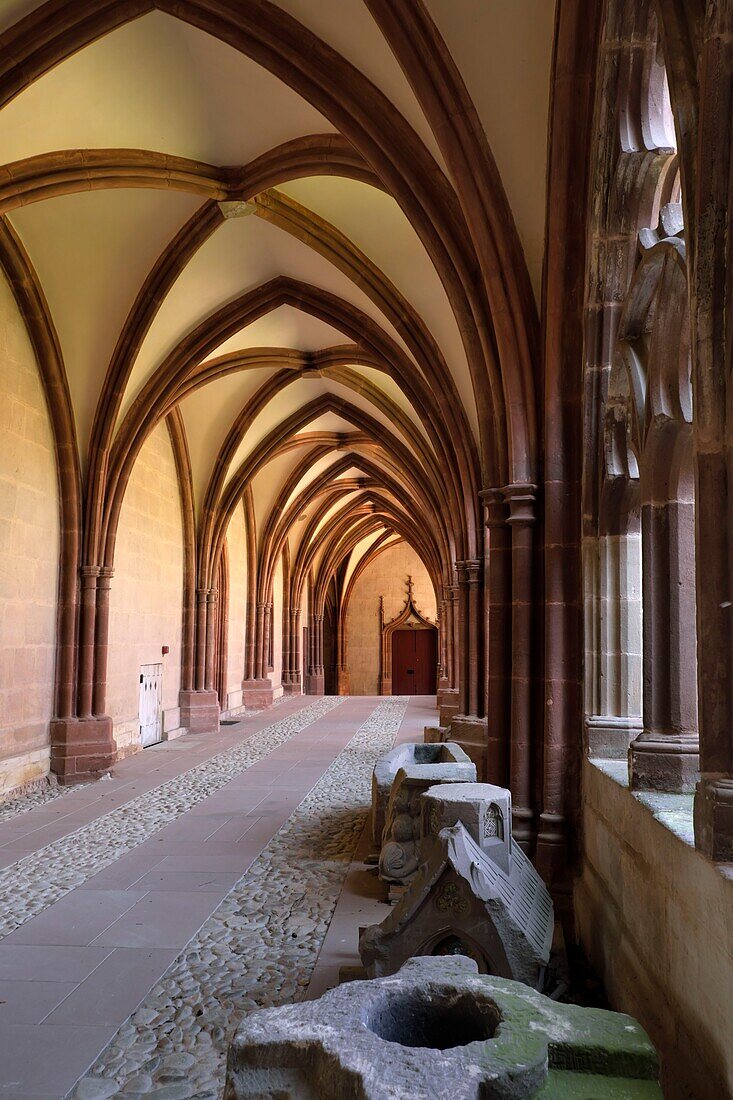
x: 142, y: 916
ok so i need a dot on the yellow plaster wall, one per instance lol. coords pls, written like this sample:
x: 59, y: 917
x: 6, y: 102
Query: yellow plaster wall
x: 29, y: 549
x: 147, y: 590
x: 386, y: 576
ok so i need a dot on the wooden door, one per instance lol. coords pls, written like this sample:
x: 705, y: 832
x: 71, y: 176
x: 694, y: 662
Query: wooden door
x: 151, y: 704
x: 414, y: 662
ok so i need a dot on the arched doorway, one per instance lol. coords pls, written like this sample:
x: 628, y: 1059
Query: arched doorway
x: 414, y: 661
x: 409, y: 651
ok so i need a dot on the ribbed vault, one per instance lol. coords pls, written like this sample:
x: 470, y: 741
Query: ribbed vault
x: 259, y: 225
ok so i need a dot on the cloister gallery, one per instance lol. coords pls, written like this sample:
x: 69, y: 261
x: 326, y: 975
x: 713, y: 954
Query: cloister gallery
x: 366, y: 548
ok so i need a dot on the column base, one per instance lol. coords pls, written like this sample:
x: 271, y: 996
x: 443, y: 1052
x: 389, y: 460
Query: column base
x: 551, y: 855
x: 82, y: 749
x: 663, y: 764
x: 292, y: 688
x: 523, y: 828
x: 314, y: 684
x: 257, y: 693
x: 714, y: 819
x: 608, y: 737
x: 472, y: 734
x: 199, y: 711
x: 448, y: 706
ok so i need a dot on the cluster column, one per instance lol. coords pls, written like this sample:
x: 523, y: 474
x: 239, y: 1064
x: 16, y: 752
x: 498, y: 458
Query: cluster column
x: 448, y: 698
x: 257, y: 691
x: 200, y: 707
x: 498, y: 636
x: 713, y: 439
x: 520, y: 499
x: 468, y: 728
x: 82, y: 745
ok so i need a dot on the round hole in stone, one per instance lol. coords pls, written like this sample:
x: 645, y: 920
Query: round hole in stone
x: 441, y: 1021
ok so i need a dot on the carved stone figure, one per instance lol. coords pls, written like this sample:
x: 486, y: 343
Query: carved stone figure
x: 474, y: 892
x: 398, y: 859
x: 438, y: 1029
x: 399, y: 757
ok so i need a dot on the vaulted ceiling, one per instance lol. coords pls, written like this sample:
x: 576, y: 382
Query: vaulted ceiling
x: 309, y: 231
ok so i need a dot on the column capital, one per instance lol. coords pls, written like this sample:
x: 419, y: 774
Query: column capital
x: 521, y: 498
x: 496, y: 507
x: 469, y: 571
x: 89, y: 574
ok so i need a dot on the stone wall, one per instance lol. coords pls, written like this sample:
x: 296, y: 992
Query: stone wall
x: 147, y: 591
x: 29, y: 548
x: 237, y: 547
x: 386, y: 576
x: 654, y: 916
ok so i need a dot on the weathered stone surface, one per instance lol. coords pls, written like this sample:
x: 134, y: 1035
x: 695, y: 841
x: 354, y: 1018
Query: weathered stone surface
x: 438, y: 1029
x: 398, y: 859
x: 388, y: 766
x: 475, y: 892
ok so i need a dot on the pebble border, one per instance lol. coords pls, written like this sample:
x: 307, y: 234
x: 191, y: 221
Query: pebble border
x: 38, y: 880
x: 258, y: 948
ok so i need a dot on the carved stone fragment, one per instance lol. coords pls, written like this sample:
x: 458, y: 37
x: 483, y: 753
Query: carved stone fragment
x: 438, y: 1029
x: 398, y: 858
x: 412, y: 753
x: 474, y: 893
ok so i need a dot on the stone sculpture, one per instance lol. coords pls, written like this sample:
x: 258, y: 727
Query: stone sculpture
x: 398, y: 858
x: 475, y: 892
x: 399, y: 757
x: 439, y: 1029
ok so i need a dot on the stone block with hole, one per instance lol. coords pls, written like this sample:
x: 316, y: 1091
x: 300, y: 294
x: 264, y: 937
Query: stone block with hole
x: 438, y: 1028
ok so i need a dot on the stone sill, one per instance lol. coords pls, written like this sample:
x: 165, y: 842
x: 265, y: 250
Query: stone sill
x: 673, y: 811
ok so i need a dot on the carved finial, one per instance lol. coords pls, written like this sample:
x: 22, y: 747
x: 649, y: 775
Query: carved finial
x: 409, y: 585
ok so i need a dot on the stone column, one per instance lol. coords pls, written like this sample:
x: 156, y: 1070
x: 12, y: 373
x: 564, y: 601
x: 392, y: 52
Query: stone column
x: 665, y: 756
x: 449, y: 698
x: 260, y: 661
x: 316, y: 677
x: 266, y: 639
x: 498, y: 636
x: 200, y: 669
x: 286, y: 663
x: 82, y: 745
x: 468, y: 728
x: 711, y: 290
x: 211, y: 598
x: 521, y: 501
x: 101, y: 642
x: 200, y: 707
x: 618, y: 718
x: 296, y: 678
x: 89, y: 574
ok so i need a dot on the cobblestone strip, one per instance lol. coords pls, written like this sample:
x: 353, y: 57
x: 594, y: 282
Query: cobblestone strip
x: 36, y: 881
x: 260, y: 946
x: 20, y: 803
